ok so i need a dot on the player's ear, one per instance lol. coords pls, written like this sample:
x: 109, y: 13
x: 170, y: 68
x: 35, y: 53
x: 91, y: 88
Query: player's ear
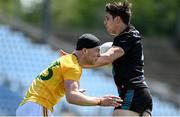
x: 84, y: 50
x: 117, y: 19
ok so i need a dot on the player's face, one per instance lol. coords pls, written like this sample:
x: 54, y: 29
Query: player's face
x: 109, y: 24
x: 92, y: 55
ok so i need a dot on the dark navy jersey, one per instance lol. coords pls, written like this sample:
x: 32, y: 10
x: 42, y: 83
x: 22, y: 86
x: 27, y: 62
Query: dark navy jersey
x: 128, y: 69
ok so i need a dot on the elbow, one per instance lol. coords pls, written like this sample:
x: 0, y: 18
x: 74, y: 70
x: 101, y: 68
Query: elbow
x: 108, y: 61
x: 70, y: 99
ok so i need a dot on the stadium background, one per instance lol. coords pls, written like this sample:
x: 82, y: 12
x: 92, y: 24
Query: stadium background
x: 33, y: 31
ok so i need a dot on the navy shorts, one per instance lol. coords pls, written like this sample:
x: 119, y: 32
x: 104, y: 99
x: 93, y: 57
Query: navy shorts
x: 137, y: 100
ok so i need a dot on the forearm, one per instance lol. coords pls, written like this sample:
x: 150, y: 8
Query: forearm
x: 79, y: 98
x: 104, y: 59
x: 74, y: 96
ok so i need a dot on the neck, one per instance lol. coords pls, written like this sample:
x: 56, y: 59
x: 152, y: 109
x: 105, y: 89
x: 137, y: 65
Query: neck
x: 120, y: 28
x: 79, y: 57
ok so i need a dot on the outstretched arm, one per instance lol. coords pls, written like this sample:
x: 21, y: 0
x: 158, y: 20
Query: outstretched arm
x: 105, y: 58
x: 74, y: 96
x: 108, y: 57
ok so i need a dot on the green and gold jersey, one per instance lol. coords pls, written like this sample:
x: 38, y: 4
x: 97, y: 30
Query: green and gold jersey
x: 48, y: 87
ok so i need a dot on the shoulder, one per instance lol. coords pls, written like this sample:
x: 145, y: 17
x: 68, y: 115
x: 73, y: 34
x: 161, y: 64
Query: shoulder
x: 131, y: 34
x: 69, y: 61
x: 71, y: 70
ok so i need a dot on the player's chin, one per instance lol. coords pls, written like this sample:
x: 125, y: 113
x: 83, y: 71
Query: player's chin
x: 108, y: 31
x: 112, y: 34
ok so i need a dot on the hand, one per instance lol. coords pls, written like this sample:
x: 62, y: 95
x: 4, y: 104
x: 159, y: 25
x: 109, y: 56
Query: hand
x: 111, y: 101
x: 62, y: 52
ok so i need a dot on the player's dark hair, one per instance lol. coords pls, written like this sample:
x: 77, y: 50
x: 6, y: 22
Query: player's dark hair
x: 120, y: 9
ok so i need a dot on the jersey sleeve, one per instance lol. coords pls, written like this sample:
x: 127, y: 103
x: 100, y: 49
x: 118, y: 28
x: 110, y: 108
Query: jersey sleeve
x: 125, y: 42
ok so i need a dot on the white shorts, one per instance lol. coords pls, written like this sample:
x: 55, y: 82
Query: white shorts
x: 32, y: 109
